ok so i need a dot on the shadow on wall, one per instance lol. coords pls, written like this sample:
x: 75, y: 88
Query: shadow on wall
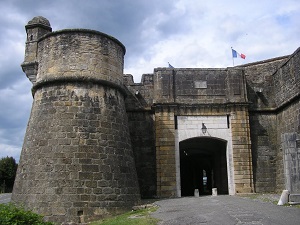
x: 263, y: 142
x: 142, y: 134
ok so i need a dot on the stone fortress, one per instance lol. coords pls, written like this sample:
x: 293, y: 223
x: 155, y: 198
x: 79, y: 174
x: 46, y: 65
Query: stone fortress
x: 97, y: 142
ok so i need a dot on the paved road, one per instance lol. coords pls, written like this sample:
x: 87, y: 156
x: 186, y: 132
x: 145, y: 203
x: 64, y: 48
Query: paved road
x: 218, y: 210
x: 5, y: 198
x: 225, y: 210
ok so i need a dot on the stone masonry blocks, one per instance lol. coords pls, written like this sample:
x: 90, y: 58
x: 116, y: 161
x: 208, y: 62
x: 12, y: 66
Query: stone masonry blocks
x: 77, y: 163
x: 165, y: 154
x: 77, y: 169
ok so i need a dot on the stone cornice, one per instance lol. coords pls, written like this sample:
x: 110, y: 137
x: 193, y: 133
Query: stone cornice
x: 79, y: 80
x: 278, y: 108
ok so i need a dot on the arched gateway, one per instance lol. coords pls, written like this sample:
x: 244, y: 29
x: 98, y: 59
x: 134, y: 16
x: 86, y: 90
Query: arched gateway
x: 186, y: 152
x: 204, y: 148
x: 203, y: 166
x: 202, y: 130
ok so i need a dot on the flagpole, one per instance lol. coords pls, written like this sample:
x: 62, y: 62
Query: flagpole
x: 232, y: 58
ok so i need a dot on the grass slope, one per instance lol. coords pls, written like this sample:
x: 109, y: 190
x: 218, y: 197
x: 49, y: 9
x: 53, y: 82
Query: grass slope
x: 138, y: 217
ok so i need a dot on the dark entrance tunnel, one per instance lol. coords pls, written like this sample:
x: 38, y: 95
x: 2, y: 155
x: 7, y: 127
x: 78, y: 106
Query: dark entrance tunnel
x: 203, y: 166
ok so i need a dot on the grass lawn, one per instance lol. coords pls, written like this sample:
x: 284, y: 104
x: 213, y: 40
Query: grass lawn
x: 138, y: 217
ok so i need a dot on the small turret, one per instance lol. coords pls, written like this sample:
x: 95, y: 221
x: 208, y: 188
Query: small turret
x: 36, y: 28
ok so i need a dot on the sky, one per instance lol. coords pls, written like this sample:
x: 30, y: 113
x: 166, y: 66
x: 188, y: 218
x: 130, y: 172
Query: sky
x: 186, y: 33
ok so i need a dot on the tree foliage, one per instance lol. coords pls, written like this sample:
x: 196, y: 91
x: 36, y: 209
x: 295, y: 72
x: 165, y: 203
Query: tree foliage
x: 8, y: 169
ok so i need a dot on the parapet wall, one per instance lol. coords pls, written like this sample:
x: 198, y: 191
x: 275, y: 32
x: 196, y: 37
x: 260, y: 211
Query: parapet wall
x: 80, y: 54
x: 199, y: 86
x: 287, y: 80
x: 260, y: 82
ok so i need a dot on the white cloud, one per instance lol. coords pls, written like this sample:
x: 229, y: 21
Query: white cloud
x: 251, y: 27
x: 18, y: 97
x: 186, y: 33
x: 10, y: 151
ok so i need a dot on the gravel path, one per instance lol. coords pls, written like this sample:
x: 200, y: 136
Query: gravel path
x: 5, y: 198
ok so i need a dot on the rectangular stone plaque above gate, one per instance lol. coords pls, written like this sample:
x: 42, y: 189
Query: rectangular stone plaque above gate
x: 200, y: 84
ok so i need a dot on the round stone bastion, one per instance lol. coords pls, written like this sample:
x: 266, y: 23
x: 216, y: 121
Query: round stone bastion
x: 77, y: 163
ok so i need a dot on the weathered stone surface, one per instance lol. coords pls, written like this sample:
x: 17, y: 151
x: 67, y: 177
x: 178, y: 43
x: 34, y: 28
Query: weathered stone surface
x: 83, y: 134
x: 77, y: 149
x: 294, y: 198
x: 257, y: 97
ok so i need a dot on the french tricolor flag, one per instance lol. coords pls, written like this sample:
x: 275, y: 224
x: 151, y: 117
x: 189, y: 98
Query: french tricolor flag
x: 235, y: 54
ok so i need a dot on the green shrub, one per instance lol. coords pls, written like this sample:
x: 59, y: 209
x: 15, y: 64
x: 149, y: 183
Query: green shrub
x: 14, y: 215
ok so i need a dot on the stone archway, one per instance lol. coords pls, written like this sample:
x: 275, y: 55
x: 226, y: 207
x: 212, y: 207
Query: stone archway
x: 203, y: 166
x: 207, y: 147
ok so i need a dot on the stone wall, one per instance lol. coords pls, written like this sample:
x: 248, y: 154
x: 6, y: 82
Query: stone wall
x: 287, y: 81
x: 263, y: 127
x: 80, y: 54
x: 165, y: 152
x: 263, y: 132
x: 199, y: 86
x: 288, y: 132
x: 142, y: 134
x: 273, y: 90
x: 242, y: 155
x: 77, y: 155
x: 139, y: 100
x: 260, y: 83
x: 140, y: 95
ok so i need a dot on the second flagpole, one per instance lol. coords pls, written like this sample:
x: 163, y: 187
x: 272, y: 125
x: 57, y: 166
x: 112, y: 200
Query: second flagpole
x: 232, y: 58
